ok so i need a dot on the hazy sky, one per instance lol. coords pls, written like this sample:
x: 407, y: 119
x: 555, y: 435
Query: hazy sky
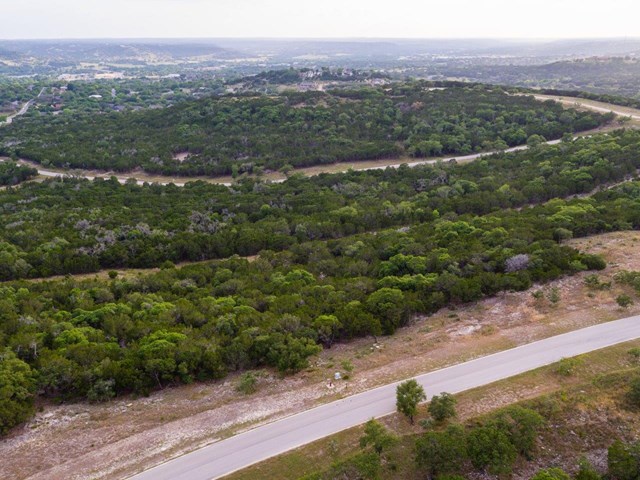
x: 318, y: 18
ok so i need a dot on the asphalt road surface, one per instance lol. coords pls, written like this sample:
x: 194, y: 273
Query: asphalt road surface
x: 240, y: 451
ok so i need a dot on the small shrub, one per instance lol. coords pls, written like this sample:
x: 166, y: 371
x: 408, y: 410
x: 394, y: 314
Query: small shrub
x: 112, y: 274
x: 554, y: 295
x: 442, y: 407
x: 248, y: 383
x: 634, y: 392
x: 102, y: 391
x: 624, y: 301
x: 567, y: 366
x: 347, y: 366
x: 594, y: 283
x: 551, y: 474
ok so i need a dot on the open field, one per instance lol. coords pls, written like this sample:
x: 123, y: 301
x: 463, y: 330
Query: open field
x: 96, y: 441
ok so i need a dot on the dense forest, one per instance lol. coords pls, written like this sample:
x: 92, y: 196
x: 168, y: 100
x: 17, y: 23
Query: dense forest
x: 437, y: 236
x: 76, y: 226
x: 12, y: 174
x: 250, y: 133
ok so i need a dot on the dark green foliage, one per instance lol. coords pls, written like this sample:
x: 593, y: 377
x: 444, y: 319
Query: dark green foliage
x: 521, y: 426
x: 376, y: 436
x: 408, y: 395
x: 239, y: 133
x: 12, y: 174
x: 586, y: 471
x: 551, y: 474
x: 441, y: 452
x: 624, y: 461
x: 205, y: 221
x: 363, y: 466
x: 442, y: 407
x: 333, y: 263
x: 17, y: 389
x: 489, y: 448
x: 634, y: 392
x: 624, y: 300
x: 247, y: 383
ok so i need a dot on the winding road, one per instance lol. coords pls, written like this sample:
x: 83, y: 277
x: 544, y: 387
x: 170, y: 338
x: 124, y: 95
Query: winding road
x: 240, y: 451
x: 568, y: 101
x: 23, y: 110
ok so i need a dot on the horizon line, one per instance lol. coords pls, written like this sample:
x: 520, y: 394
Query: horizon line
x: 329, y: 38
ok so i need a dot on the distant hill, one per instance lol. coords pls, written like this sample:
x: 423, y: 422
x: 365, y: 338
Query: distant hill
x: 114, y: 50
x: 610, y: 75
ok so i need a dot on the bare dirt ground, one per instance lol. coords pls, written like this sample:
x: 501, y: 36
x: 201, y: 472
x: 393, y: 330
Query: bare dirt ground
x: 114, y: 440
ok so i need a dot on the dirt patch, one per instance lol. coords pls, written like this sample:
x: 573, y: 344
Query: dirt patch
x: 180, y: 156
x: 81, y: 441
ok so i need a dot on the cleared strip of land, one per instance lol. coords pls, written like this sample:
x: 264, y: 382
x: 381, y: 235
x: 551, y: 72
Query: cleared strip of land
x: 235, y: 453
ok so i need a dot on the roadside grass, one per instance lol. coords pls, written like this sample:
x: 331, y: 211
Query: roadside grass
x: 595, y: 384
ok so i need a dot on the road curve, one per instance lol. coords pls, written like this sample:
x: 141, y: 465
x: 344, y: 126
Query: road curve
x: 571, y: 101
x: 459, y: 158
x: 240, y: 451
x: 601, y: 107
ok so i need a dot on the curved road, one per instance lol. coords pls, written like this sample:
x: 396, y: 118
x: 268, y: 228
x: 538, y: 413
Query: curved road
x: 23, y: 110
x: 459, y: 158
x: 594, y: 105
x: 240, y: 451
x: 570, y: 101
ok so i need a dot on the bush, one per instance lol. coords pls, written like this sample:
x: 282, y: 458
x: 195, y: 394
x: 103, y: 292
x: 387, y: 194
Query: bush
x: 624, y: 300
x: 17, y: 388
x: 362, y: 466
x: 551, y: 474
x: 248, y: 383
x: 442, y: 407
x: 634, y: 392
x: 521, y: 426
x: 587, y: 472
x: 624, y: 461
x: 102, y: 391
x: 441, y: 452
x: 489, y: 448
x: 567, y: 366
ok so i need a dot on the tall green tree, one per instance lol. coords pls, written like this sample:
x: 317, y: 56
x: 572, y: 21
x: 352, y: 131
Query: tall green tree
x: 376, y: 436
x: 408, y: 395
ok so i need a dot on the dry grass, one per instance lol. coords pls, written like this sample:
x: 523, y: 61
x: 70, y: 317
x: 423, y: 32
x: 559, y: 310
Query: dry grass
x: 544, y: 382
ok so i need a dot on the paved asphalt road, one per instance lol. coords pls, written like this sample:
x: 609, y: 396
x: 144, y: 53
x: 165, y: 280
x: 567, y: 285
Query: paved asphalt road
x: 235, y: 453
